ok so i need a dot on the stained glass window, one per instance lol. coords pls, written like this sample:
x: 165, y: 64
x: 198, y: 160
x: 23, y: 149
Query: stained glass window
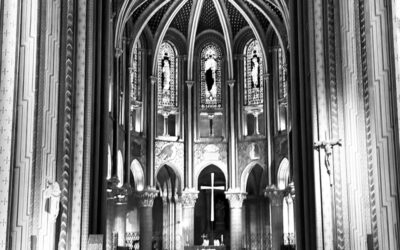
x: 282, y: 76
x: 282, y: 90
x: 167, y: 76
x: 135, y: 76
x: 253, y: 68
x: 211, y: 61
x: 135, y: 79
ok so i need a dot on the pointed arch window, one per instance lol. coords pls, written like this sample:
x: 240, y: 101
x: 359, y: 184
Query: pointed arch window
x: 211, y: 61
x: 167, y: 76
x: 135, y: 79
x: 282, y: 89
x: 253, y: 83
x: 135, y: 74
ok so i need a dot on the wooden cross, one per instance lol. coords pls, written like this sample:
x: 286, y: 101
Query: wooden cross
x: 212, y: 188
x: 328, y: 147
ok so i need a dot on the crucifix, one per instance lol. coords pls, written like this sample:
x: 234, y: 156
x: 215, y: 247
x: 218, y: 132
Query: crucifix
x: 328, y: 147
x: 212, y: 188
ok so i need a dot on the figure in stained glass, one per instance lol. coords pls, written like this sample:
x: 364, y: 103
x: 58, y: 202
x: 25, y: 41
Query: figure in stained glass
x: 210, y: 67
x: 166, y: 72
x: 255, y: 71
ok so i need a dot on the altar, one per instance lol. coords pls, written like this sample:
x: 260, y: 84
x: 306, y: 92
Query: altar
x: 205, y: 247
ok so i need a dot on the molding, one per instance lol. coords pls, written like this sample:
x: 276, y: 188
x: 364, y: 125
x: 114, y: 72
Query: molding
x: 9, y: 54
x: 67, y: 125
x: 194, y: 20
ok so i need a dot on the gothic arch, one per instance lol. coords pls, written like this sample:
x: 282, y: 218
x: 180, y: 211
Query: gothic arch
x: 219, y: 164
x: 246, y: 172
x: 283, y: 174
x: 176, y: 171
x: 241, y: 39
x: 164, y: 27
x: 120, y: 169
x: 178, y: 39
x: 138, y: 175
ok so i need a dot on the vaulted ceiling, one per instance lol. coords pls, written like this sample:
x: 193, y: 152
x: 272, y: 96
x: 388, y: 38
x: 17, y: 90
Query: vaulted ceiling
x: 209, y: 19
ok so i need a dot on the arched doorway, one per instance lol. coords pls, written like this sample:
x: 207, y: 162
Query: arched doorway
x: 167, y: 210
x: 207, y: 228
x: 256, y: 211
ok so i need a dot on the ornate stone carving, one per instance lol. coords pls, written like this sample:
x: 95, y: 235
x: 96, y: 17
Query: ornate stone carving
x: 52, y: 194
x: 189, y: 197
x: 169, y: 152
x: 202, y: 151
x: 146, y: 197
x: 251, y: 155
x: 275, y: 195
x: 235, y: 197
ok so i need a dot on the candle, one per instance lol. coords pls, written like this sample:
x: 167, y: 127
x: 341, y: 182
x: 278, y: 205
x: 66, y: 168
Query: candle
x: 222, y: 238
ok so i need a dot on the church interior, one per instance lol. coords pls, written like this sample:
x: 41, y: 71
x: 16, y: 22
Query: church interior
x: 200, y: 124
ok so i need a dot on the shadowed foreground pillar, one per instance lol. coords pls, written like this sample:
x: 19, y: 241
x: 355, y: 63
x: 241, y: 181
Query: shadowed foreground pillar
x: 236, y: 203
x: 189, y: 198
x: 146, y: 200
x: 276, y: 197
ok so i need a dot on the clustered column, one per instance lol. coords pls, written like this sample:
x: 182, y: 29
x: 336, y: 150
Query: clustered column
x: 146, y: 200
x: 236, y: 199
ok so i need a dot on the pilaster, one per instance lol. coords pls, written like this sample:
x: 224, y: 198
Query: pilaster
x: 7, y: 97
x: 26, y: 125
x: 79, y: 124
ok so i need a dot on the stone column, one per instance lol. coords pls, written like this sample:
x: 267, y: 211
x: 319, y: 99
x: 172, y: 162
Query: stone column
x: 166, y: 229
x: 120, y: 210
x: 189, y: 198
x: 178, y: 223
x: 189, y: 139
x: 236, y: 198
x: 275, y: 196
x: 232, y: 134
x: 146, y: 199
x: 152, y: 131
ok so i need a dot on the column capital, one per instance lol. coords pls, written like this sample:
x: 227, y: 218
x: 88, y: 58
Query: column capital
x: 275, y: 195
x: 189, y: 83
x: 189, y: 197
x: 235, y: 197
x: 147, y: 196
x: 231, y: 83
